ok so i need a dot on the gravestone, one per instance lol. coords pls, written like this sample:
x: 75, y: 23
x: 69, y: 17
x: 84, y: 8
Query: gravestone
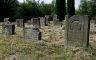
x: 46, y: 20
x: 55, y: 17
x: 32, y: 20
x: 20, y: 22
x: 36, y: 22
x: 29, y: 22
x: 42, y: 21
x: 92, y: 27
x: 7, y: 29
x: 31, y: 33
x: 77, y: 30
x: 6, y: 21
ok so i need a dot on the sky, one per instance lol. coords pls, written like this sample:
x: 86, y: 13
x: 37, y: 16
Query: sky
x: 77, y: 2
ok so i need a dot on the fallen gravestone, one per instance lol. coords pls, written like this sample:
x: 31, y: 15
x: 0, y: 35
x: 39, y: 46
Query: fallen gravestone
x: 77, y: 30
x: 31, y: 33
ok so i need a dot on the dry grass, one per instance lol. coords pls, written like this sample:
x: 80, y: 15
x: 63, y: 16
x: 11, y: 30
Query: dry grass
x: 51, y: 47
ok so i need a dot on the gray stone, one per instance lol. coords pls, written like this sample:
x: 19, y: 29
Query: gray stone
x: 42, y: 21
x: 20, y: 22
x: 32, y: 20
x: 29, y: 22
x: 6, y: 21
x: 92, y: 27
x: 36, y: 22
x: 55, y: 17
x: 77, y: 30
x: 7, y: 29
x: 47, y: 20
x: 31, y: 33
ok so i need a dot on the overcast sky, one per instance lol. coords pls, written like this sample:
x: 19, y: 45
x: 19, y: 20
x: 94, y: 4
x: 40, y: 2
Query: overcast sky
x: 77, y: 2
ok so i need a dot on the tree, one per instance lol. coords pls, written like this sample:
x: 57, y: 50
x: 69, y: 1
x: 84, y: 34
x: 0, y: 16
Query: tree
x: 70, y: 7
x: 83, y: 8
x: 87, y: 7
x: 8, y: 8
x: 61, y: 9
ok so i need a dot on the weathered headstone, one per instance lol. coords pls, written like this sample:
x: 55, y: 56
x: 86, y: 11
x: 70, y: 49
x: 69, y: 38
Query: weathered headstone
x: 92, y: 27
x: 29, y: 22
x: 42, y: 21
x: 36, y: 22
x: 55, y: 17
x: 7, y: 29
x: 6, y: 21
x: 77, y: 30
x: 20, y: 22
x: 31, y: 33
x: 32, y: 20
x: 46, y: 20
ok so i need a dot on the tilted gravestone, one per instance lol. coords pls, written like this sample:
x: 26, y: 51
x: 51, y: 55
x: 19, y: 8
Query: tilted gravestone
x: 77, y: 30
x: 42, y: 21
x: 31, y: 33
x: 20, y: 22
x: 46, y: 20
x: 36, y: 22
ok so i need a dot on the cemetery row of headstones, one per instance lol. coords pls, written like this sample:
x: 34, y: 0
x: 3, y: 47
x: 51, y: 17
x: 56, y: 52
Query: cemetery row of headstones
x: 29, y: 32
x: 76, y: 30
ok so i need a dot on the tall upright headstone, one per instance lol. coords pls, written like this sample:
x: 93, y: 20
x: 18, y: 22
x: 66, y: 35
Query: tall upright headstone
x: 77, y: 30
x: 47, y: 19
x: 42, y: 21
x: 54, y: 17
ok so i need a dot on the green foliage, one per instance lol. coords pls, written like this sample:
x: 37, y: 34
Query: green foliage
x: 70, y: 7
x: 8, y: 8
x: 87, y: 7
x: 26, y: 10
x: 61, y: 9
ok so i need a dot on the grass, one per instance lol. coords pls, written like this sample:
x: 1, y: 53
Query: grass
x: 33, y: 50
x: 48, y: 49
